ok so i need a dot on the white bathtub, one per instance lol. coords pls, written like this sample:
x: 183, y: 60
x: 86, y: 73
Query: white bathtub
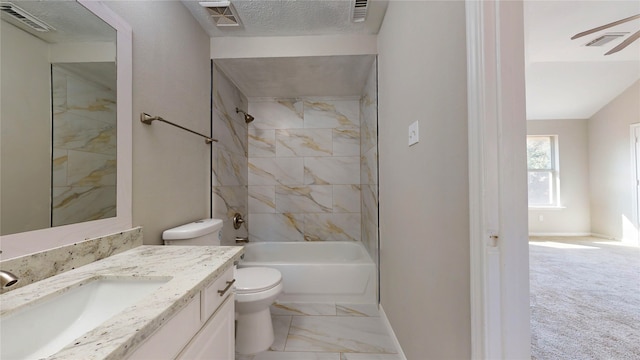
x: 321, y: 272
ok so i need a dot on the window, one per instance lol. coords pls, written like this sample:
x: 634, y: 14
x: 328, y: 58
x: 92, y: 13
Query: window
x: 542, y: 163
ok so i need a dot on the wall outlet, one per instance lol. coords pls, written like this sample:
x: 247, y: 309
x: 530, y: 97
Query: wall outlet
x: 540, y: 218
x: 414, y: 133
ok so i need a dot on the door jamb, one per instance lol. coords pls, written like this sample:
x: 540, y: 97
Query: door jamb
x: 635, y: 171
x: 500, y: 320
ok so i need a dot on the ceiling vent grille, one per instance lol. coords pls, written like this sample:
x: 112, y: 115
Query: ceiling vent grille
x: 359, y: 10
x: 222, y: 13
x: 606, y: 38
x: 24, y: 17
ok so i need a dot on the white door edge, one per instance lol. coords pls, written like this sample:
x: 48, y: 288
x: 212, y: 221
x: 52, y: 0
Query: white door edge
x: 635, y: 180
x: 500, y: 323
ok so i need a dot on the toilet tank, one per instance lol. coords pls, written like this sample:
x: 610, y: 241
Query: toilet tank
x: 202, y: 232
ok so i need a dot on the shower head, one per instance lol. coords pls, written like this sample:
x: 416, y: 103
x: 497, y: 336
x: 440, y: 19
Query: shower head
x: 247, y: 118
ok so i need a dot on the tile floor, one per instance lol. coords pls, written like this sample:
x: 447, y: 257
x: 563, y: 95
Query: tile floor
x: 327, y: 332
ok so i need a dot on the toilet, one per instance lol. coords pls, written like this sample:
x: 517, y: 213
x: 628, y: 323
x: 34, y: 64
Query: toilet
x: 256, y: 288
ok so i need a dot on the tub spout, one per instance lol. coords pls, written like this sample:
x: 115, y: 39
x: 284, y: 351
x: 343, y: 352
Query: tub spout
x: 242, y: 240
x: 7, y: 279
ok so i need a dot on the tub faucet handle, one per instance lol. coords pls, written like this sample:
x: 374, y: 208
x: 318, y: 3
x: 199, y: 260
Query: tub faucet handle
x: 237, y: 220
x: 242, y: 239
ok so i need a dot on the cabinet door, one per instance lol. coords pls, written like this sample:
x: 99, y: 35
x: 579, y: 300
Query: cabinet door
x: 216, y: 339
x: 172, y: 337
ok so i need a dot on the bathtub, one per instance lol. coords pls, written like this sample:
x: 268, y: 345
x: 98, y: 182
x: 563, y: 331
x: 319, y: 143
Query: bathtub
x: 319, y: 272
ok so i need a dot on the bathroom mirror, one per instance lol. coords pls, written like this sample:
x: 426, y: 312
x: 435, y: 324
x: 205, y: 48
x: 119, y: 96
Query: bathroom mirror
x: 65, y: 124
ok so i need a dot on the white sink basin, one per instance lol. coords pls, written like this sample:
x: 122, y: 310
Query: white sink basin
x: 45, y: 326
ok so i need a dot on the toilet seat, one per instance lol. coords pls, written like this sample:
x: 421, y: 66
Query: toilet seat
x: 253, y: 280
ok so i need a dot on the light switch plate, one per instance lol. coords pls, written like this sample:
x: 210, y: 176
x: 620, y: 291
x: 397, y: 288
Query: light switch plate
x: 414, y: 133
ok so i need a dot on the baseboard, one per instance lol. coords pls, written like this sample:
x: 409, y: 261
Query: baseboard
x: 627, y: 240
x: 603, y: 236
x: 632, y: 242
x: 562, y: 234
x: 386, y: 322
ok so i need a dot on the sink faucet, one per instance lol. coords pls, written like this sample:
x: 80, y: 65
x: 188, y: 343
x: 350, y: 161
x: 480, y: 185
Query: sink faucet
x: 7, y: 279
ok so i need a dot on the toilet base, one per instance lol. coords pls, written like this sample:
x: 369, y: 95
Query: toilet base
x: 254, y: 332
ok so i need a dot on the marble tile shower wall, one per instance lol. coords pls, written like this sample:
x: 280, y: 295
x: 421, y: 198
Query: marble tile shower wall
x: 369, y: 163
x: 304, y: 170
x: 229, y: 156
x: 84, y: 149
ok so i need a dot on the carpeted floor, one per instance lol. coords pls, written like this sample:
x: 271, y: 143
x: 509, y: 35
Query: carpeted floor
x: 585, y: 299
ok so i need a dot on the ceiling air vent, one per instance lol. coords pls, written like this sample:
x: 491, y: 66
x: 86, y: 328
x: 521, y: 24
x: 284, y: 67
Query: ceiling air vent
x: 24, y: 17
x: 606, y: 38
x: 359, y: 10
x: 222, y: 13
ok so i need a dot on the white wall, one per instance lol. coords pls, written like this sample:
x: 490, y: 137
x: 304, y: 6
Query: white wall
x: 424, y: 200
x: 286, y: 46
x: 573, y: 215
x: 26, y: 132
x: 610, y: 166
x: 171, y: 67
x: 82, y: 52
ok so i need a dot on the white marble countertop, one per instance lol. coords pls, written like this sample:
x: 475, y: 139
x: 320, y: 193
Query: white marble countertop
x: 190, y: 268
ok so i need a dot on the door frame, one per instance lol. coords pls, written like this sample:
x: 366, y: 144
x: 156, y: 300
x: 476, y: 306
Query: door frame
x: 499, y: 253
x: 635, y: 176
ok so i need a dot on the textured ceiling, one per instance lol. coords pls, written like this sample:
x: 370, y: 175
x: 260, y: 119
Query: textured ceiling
x: 299, y: 76
x: 564, y: 78
x: 72, y: 22
x: 292, y: 18
x: 296, y: 76
x: 101, y: 72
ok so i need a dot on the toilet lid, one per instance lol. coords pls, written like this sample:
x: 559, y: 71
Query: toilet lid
x: 256, y: 279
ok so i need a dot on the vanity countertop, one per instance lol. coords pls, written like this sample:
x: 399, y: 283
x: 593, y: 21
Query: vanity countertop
x: 190, y: 268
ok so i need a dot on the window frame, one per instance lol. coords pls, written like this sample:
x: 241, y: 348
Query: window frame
x: 554, y: 170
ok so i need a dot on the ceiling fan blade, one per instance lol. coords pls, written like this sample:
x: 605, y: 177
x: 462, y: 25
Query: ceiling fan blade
x: 625, y: 43
x: 591, y: 31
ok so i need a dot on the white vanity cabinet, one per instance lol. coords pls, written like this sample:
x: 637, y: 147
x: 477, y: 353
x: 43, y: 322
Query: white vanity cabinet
x: 204, y: 329
x: 215, y: 341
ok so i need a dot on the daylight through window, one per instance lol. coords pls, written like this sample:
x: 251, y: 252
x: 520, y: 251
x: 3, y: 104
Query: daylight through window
x: 542, y: 166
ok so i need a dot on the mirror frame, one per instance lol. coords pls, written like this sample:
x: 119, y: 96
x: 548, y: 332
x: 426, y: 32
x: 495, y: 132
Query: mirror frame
x: 28, y: 242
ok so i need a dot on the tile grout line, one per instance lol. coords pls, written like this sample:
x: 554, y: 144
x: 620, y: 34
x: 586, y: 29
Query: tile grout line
x: 286, y: 338
x: 326, y: 315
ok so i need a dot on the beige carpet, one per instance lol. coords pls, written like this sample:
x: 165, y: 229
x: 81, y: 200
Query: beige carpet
x: 585, y: 299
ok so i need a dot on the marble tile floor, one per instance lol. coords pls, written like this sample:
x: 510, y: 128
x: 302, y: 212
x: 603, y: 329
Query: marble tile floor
x: 327, y: 332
